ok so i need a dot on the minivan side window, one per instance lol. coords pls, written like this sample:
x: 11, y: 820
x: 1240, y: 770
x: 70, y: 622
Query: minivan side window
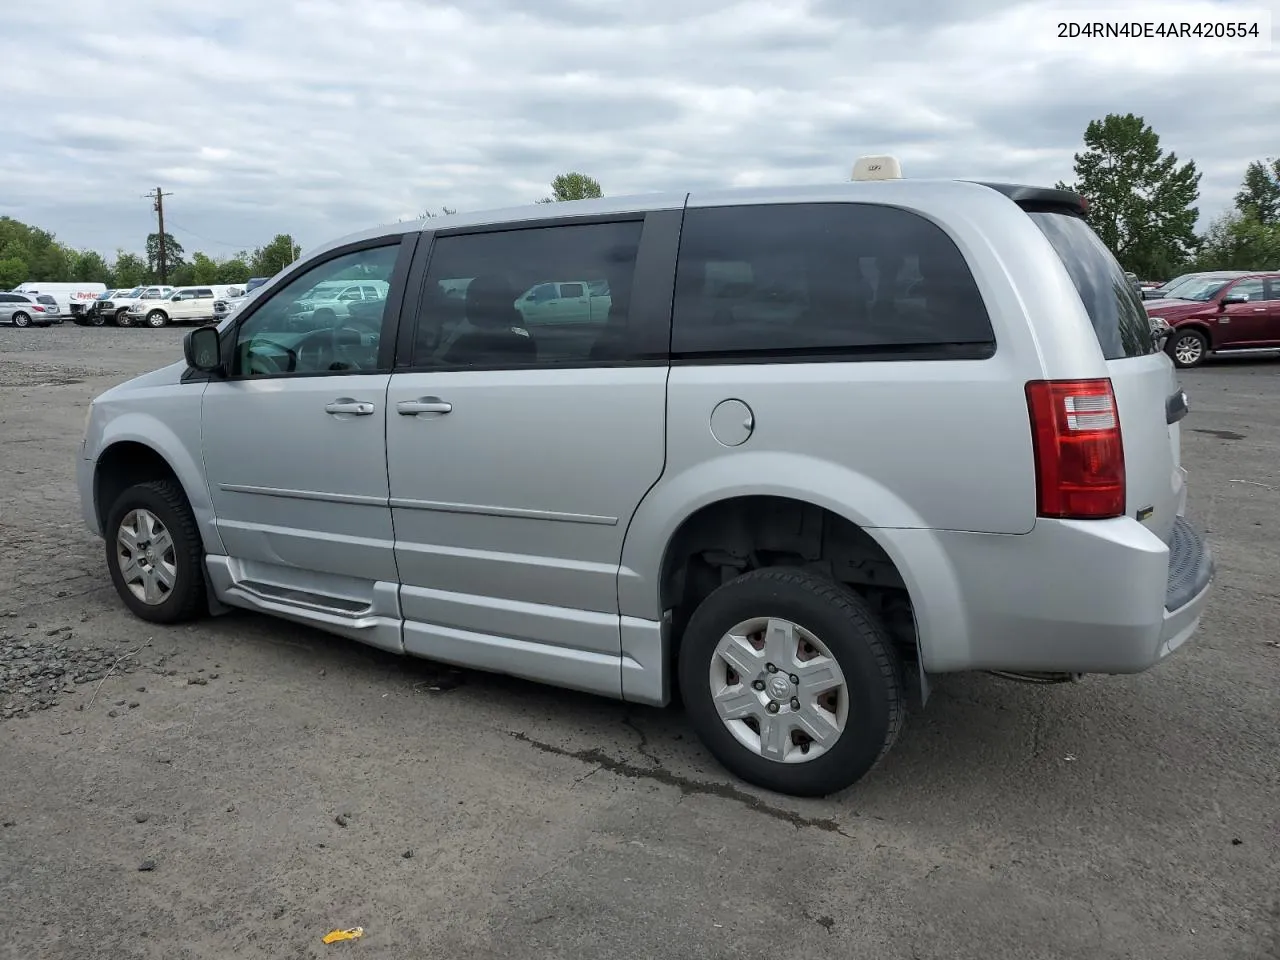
x: 290, y: 333
x: 811, y: 281
x: 490, y: 299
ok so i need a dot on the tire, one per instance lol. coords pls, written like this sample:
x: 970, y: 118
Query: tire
x: 1188, y: 348
x: 123, y: 319
x: 156, y: 319
x: 21, y: 319
x: 165, y: 502
x: 873, y: 698
x: 97, y: 320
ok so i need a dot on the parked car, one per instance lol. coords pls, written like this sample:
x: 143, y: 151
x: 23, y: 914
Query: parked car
x: 23, y: 310
x: 116, y: 310
x: 254, y: 283
x: 1167, y: 290
x: 65, y: 295
x: 51, y: 307
x: 925, y: 428
x: 85, y: 314
x: 184, y: 305
x: 1221, y: 313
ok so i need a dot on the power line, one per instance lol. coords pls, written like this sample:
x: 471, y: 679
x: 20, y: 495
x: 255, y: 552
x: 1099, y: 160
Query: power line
x: 221, y: 243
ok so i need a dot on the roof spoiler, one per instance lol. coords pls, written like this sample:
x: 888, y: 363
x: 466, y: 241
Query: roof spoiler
x: 1042, y: 199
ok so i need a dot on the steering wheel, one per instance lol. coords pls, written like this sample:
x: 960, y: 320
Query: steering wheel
x: 324, y: 350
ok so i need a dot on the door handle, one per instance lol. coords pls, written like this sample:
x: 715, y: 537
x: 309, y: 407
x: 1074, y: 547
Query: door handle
x: 411, y: 408
x: 357, y: 408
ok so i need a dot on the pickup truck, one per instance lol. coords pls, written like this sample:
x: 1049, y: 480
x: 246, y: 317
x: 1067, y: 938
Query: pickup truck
x: 565, y: 301
x: 116, y: 309
x: 184, y: 305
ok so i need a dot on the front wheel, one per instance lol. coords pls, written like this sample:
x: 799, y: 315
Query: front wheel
x: 1188, y: 348
x: 123, y: 319
x: 154, y: 553
x: 156, y: 319
x: 96, y: 319
x: 791, y: 681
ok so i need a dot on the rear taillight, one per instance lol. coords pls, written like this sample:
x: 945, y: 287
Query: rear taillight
x: 38, y: 309
x: 1075, y: 432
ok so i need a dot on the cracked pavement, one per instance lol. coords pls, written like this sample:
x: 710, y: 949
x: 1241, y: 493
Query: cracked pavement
x: 1116, y: 818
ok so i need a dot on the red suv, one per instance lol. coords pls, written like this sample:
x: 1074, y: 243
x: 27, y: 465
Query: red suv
x: 1225, y: 312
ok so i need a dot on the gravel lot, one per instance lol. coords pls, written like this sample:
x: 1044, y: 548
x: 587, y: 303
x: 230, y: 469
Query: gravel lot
x: 278, y: 783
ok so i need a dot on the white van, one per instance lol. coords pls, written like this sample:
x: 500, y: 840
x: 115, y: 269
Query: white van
x: 64, y: 293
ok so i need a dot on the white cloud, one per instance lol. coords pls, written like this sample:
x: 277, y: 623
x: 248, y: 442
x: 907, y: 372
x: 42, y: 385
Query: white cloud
x: 319, y: 117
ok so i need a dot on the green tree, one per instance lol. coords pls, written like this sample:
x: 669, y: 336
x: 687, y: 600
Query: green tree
x: 13, y: 271
x: 275, y: 256
x: 573, y: 186
x: 173, y: 255
x: 1259, y: 196
x: 1236, y: 241
x: 91, y: 267
x: 129, y: 269
x: 234, y: 270
x: 1141, y: 201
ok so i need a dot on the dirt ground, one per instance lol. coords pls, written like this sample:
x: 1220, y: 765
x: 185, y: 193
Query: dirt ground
x: 278, y: 783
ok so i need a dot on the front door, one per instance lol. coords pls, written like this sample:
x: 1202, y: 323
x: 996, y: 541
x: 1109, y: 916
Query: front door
x: 295, y: 454
x: 515, y: 470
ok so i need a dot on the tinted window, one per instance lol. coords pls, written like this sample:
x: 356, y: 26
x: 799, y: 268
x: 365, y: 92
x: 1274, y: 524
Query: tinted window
x: 11, y: 298
x: 1114, y: 307
x: 289, y: 332
x: 486, y: 303
x: 1273, y: 288
x: 45, y: 298
x: 1251, y: 288
x: 823, y: 280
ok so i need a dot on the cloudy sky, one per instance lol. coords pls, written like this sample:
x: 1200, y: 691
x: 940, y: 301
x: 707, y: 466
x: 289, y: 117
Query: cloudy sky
x: 320, y: 117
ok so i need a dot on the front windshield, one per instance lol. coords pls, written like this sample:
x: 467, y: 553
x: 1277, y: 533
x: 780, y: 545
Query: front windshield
x: 105, y: 295
x: 1201, y: 290
x: 135, y: 292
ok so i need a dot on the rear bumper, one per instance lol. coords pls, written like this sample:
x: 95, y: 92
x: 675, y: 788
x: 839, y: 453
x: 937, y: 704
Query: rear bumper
x: 1071, y: 596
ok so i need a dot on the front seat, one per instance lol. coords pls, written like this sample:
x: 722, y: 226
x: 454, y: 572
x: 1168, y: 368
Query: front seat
x: 496, y: 332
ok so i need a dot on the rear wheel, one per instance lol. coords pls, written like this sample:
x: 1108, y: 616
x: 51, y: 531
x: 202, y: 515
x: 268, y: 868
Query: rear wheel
x: 791, y: 681
x: 21, y: 319
x: 154, y: 552
x: 1188, y: 348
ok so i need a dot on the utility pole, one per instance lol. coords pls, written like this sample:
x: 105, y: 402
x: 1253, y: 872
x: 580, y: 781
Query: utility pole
x: 158, y: 206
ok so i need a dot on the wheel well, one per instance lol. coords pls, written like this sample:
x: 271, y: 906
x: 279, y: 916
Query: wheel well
x: 1197, y: 327
x: 731, y: 537
x: 120, y: 467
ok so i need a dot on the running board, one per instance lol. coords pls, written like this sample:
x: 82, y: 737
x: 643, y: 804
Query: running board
x: 304, y: 600
x: 376, y: 622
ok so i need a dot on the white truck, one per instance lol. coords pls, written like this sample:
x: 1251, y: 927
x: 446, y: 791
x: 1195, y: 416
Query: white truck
x: 71, y: 298
x: 192, y: 304
x: 116, y: 310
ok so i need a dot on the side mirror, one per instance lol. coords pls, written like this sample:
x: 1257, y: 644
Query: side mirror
x: 203, y: 349
x: 1231, y: 298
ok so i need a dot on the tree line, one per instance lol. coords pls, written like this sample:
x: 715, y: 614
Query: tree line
x: 1142, y: 203
x: 30, y: 253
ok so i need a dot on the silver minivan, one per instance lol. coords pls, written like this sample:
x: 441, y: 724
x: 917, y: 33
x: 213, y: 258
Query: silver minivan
x: 821, y: 445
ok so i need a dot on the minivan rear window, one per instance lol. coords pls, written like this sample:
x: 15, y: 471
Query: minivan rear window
x: 1114, y: 307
